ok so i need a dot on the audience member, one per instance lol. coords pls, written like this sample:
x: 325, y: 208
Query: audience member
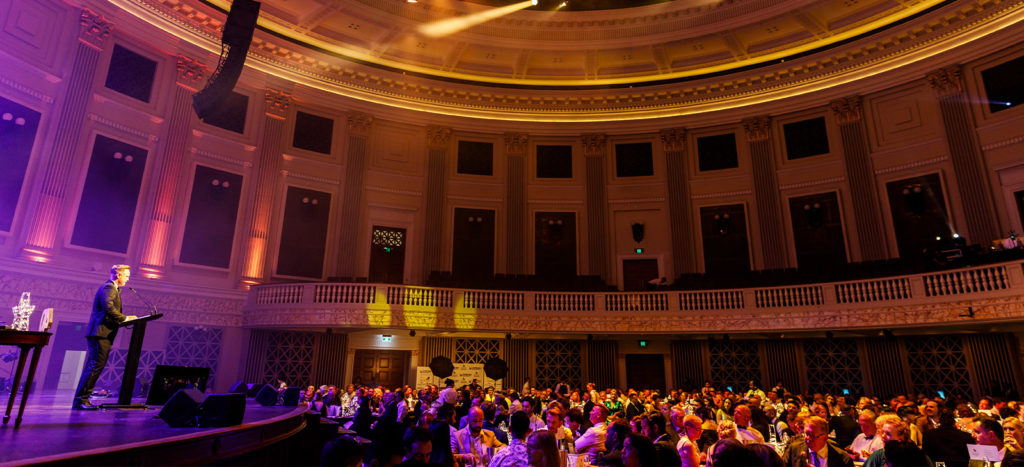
x: 542, y: 449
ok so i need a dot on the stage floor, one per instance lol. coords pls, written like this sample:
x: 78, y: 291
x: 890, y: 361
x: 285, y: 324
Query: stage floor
x: 51, y: 430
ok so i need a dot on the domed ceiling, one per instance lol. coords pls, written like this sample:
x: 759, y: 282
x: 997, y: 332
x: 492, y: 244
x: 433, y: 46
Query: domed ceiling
x: 660, y: 59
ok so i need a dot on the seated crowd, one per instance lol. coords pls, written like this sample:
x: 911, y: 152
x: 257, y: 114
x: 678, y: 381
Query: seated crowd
x: 476, y: 426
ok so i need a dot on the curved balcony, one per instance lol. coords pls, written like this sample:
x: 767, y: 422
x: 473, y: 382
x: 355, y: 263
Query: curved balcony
x: 992, y: 293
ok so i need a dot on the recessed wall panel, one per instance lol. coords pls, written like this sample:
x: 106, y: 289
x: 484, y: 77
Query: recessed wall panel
x: 212, y: 212
x: 110, y: 195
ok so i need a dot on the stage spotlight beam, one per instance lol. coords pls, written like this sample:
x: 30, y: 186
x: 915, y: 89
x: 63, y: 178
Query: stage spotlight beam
x: 448, y: 26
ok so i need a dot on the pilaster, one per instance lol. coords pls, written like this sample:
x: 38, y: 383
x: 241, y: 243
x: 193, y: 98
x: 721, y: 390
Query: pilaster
x: 359, y: 125
x: 94, y: 29
x: 595, y: 149
x: 766, y: 193
x: 438, y: 143
x: 257, y: 246
x: 673, y: 141
x: 860, y: 177
x: 516, y: 145
x: 965, y: 154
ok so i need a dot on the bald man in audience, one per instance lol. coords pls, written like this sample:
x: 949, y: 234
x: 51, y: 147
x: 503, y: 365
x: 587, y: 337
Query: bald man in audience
x: 591, y: 442
x: 741, y: 415
x: 688, y: 448
x: 470, y: 444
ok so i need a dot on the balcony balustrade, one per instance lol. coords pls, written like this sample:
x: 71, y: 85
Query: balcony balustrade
x: 992, y: 293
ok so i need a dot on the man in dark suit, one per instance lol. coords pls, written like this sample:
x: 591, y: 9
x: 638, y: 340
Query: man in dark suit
x: 103, y: 324
x: 815, y: 449
x: 633, y: 406
x: 947, y: 443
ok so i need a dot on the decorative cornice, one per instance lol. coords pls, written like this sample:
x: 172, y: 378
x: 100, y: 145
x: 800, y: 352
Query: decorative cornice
x: 1004, y: 143
x: 190, y: 73
x: 659, y: 199
x: 516, y: 143
x: 723, y: 194
x: 673, y: 139
x: 438, y: 137
x: 911, y: 165
x: 46, y: 99
x: 277, y: 103
x: 824, y: 181
x: 93, y: 28
x: 887, y: 51
x: 757, y: 128
x: 219, y: 157
x: 946, y: 82
x: 123, y: 128
x: 847, y: 110
x: 359, y: 124
x: 594, y: 144
x: 330, y: 181
x: 384, y: 189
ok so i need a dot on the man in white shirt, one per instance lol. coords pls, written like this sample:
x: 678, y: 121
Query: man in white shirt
x: 753, y: 390
x: 555, y: 419
x: 868, y: 441
x: 741, y: 415
x: 591, y: 442
x: 447, y: 395
x: 536, y: 424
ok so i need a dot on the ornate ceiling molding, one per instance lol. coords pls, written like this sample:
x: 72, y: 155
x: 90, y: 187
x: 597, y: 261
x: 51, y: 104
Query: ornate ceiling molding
x: 915, y: 43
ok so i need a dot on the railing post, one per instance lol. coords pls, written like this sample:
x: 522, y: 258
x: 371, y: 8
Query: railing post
x: 458, y: 299
x: 1015, y: 275
x: 749, y: 299
x: 828, y: 294
x: 917, y: 288
x: 599, y: 299
x: 307, y: 293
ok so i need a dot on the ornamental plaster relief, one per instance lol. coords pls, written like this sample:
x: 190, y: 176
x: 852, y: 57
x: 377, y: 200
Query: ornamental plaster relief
x: 74, y: 298
x: 891, y: 50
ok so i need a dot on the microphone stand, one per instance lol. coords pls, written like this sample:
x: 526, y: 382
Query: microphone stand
x: 152, y: 308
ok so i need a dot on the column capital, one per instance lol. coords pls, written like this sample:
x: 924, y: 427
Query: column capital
x: 594, y: 144
x: 847, y: 109
x: 946, y: 82
x: 278, y: 103
x: 757, y: 128
x: 438, y: 137
x: 93, y: 28
x: 190, y: 73
x: 516, y: 143
x: 673, y: 139
x: 359, y: 123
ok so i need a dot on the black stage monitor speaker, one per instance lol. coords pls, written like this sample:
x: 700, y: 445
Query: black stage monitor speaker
x: 220, y: 410
x: 182, y: 408
x: 239, y: 388
x: 168, y: 379
x: 267, y: 395
x: 254, y: 389
x: 291, y: 396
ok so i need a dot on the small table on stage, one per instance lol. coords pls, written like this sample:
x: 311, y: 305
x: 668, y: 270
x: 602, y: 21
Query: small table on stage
x: 25, y: 340
x: 131, y: 363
